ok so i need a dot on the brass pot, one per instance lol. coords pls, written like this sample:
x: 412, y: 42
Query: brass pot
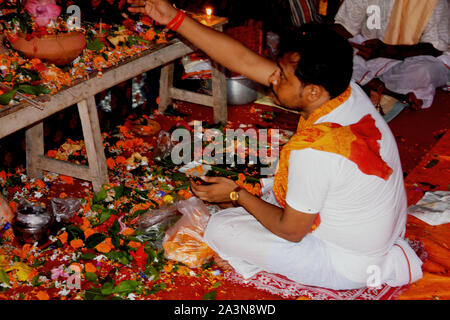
x: 59, y: 49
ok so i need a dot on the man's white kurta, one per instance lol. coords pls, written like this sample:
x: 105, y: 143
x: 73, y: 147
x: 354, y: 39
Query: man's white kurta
x: 362, y: 218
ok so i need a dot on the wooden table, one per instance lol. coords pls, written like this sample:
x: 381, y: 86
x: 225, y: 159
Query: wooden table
x: 82, y: 93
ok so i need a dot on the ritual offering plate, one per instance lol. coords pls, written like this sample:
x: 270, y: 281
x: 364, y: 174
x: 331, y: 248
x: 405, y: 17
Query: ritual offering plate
x: 59, y: 49
x: 147, y: 127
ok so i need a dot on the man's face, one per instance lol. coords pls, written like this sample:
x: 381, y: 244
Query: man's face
x: 287, y: 89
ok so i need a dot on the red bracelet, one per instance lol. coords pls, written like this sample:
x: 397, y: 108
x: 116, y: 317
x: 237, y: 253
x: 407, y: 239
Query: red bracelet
x: 176, y: 22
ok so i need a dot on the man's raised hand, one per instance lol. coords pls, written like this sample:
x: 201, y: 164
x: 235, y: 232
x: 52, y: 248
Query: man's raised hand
x: 159, y: 10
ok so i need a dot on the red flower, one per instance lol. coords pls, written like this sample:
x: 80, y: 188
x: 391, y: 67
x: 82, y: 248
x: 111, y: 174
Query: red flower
x: 140, y: 256
x: 129, y: 24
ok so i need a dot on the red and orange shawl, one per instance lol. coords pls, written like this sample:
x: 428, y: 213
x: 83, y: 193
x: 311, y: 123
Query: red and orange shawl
x: 357, y: 142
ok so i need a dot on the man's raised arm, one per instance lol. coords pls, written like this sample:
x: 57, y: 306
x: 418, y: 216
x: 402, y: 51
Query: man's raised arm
x: 218, y: 46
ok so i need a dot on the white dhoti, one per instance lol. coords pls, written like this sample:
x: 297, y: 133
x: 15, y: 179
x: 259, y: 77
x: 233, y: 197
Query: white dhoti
x: 237, y: 237
x: 421, y: 75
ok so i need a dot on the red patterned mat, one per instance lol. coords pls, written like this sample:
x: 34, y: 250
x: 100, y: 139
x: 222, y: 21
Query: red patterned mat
x: 279, y: 285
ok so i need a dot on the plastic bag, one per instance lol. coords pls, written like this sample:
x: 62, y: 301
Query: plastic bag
x: 183, y: 241
x: 6, y: 213
x: 153, y: 224
x: 64, y: 209
x: 433, y: 208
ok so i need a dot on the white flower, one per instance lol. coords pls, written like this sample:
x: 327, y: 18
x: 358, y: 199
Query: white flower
x: 64, y: 292
x: 99, y: 258
x: 131, y: 296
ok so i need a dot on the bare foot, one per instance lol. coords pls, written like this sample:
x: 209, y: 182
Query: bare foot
x: 223, y: 264
x: 415, y: 103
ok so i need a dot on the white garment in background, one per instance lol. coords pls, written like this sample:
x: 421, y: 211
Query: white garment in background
x: 422, y: 74
x: 362, y: 218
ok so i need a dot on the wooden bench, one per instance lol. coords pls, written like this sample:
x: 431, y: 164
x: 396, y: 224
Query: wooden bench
x: 82, y: 93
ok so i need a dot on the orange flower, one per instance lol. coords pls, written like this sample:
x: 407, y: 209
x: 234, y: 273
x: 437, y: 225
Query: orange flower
x: 3, y: 175
x: 40, y: 184
x: 89, y: 267
x: 13, y: 206
x: 63, y: 237
x: 88, y: 232
x: 42, y: 295
x: 121, y: 160
x: 76, y: 267
x: 110, y: 163
x: 127, y: 232
x: 77, y: 243
x: 66, y: 179
x: 63, y: 195
x: 105, y: 246
x: 149, y: 35
x: 134, y: 244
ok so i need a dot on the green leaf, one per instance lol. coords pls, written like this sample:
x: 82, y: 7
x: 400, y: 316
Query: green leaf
x: 100, y: 196
x: 87, y: 256
x: 6, y: 97
x: 118, y: 192
x: 90, y: 276
x: 4, y: 277
x: 115, y: 228
x: 107, y: 288
x: 210, y: 295
x: 38, y: 263
x: 125, y: 287
x: 105, y: 215
x: 75, y: 232
x: 95, y: 45
x: 34, y: 90
x: 432, y: 163
x: 115, y: 240
x: 94, y: 240
x: 35, y: 282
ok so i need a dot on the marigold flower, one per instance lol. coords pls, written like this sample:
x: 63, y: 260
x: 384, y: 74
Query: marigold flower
x: 42, y: 295
x: 77, y: 243
x: 63, y: 237
x: 105, y: 246
x: 134, y: 244
x: 89, y: 267
x: 66, y: 179
x: 110, y: 163
x: 88, y: 232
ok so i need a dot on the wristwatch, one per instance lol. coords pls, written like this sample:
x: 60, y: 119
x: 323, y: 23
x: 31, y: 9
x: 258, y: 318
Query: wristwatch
x: 234, y: 196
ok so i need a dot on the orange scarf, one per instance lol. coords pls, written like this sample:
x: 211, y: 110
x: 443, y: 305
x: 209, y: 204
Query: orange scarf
x: 357, y: 142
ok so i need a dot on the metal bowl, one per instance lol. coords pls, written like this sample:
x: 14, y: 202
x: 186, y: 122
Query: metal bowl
x: 32, y: 234
x: 32, y: 223
x: 240, y: 90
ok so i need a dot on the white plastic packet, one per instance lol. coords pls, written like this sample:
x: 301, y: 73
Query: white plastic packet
x: 433, y: 208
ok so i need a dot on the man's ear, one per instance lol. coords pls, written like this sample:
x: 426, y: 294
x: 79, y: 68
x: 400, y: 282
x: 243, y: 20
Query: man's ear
x: 314, y: 92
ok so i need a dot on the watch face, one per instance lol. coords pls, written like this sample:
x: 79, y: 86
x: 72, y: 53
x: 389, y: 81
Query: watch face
x: 234, y: 195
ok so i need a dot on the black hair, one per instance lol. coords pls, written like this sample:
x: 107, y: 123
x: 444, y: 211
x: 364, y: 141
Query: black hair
x: 326, y: 58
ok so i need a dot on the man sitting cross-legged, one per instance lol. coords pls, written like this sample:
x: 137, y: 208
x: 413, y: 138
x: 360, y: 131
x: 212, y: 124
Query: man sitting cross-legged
x: 341, y: 165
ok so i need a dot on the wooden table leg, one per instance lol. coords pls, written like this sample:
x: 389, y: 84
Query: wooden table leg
x: 34, y: 138
x: 93, y: 142
x: 219, y: 93
x: 165, y: 86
